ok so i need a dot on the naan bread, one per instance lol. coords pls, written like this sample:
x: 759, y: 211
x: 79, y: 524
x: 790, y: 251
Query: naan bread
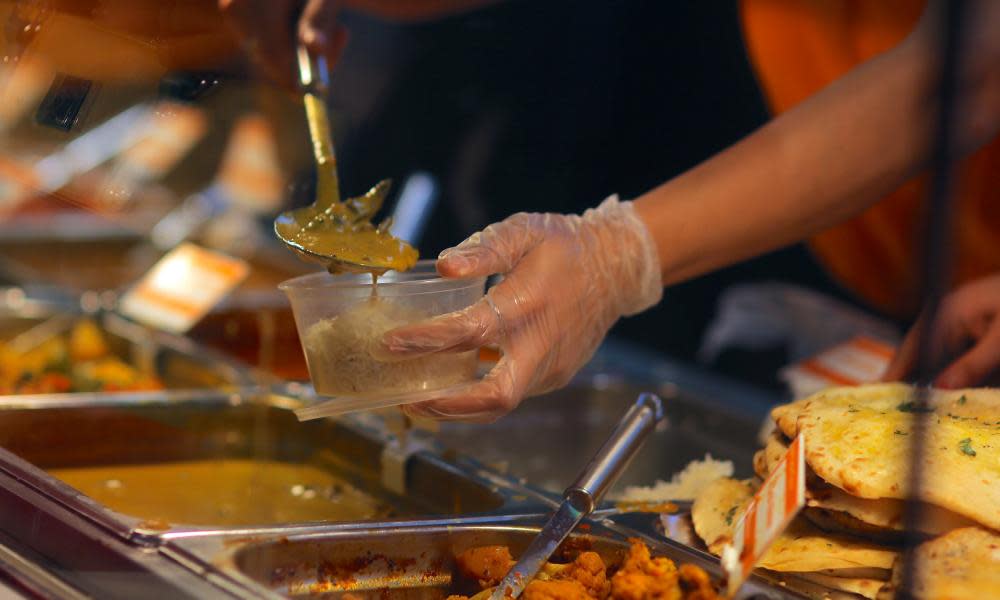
x: 834, y: 521
x: 774, y: 450
x: 810, y: 586
x: 867, y: 588
x: 715, y: 511
x: 848, y: 513
x: 857, y: 439
x: 760, y: 467
x: 860, y: 573
x: 962, y: 564
x: 886, y: 513
x: 802, y: 547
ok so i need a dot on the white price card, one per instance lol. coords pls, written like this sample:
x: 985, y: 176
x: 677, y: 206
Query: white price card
x: 779, y: 499
x: 183, y: 286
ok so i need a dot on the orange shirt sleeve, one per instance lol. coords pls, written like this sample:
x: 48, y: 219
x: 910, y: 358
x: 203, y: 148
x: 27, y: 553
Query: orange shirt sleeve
x: 797, y: 47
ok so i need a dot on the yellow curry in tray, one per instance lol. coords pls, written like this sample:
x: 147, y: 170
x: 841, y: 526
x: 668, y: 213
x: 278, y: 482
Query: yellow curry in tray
x: 225, y: 492
x: 78, y: 361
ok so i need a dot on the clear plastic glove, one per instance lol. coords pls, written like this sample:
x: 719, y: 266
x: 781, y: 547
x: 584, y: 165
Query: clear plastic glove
x: 568, y: 279
x: 968, y: 335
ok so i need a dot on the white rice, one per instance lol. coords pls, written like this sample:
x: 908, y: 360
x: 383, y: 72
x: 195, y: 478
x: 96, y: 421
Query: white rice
x: 685, y: 485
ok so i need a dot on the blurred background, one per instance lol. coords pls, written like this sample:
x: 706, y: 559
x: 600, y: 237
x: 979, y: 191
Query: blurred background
x: 146, y: 123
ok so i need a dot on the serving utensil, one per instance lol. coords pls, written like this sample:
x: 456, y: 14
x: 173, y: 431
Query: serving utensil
x: 581, y: 498
x: 327, y: 211
x: 40, y: 333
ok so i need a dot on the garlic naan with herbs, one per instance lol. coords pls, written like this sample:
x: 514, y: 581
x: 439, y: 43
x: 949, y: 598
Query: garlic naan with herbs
x: 858, y: 439
x: 963, y: 564
x: 800, y: 548
x: 833, y: 509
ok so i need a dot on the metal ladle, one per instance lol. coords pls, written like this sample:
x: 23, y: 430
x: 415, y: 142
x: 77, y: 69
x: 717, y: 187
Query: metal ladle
x: 581, y: 498
x: 327, y: 210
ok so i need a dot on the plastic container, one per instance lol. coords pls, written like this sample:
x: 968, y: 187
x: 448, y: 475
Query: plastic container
x: 340, y: 322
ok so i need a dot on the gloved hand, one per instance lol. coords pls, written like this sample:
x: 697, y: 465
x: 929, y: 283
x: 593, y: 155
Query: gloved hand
x: 568, y: 279
x: 967, y: 334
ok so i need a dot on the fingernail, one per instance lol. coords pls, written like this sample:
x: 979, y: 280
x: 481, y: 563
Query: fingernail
x: 459, y: 261
x: 460, y: 264
x: 458, y: 252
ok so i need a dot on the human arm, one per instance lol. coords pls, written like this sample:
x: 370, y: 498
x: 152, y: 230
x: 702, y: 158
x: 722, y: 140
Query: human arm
x: 827, y: 159
x: 812, y: 167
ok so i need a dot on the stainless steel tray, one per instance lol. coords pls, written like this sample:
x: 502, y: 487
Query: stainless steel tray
x: 54, y: 552
x: 43, y: 433
x: 534, y: 442
x: 394, y: 560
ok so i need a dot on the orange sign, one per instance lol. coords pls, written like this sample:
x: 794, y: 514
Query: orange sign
x: 772, y: 508
x: 183, y: 286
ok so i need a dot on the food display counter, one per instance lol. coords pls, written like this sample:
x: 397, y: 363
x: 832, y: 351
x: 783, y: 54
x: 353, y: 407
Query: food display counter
x: 161, y: 452
x: 210, y: 487
x: 207, y: 485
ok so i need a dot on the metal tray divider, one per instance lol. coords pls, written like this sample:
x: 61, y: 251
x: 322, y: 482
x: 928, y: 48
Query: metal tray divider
x: 217, y: 552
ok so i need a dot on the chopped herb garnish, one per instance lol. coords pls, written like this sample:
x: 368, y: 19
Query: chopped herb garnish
x: 913, y: 407
x: 961, y: 399
x: 729, y: 515
x: 898, y: 432
x: 966, y: 447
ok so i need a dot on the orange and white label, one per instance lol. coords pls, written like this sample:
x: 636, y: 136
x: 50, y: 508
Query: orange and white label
x: 183, y: 286
x: 772, y: 508
x: 861, y: 359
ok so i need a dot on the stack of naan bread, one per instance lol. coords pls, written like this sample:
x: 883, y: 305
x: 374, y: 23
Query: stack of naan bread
x: 845, y: 543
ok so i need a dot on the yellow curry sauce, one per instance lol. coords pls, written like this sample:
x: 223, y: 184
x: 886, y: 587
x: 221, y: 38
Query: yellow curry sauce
x: 341, y: 230
x: 225, y: 492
